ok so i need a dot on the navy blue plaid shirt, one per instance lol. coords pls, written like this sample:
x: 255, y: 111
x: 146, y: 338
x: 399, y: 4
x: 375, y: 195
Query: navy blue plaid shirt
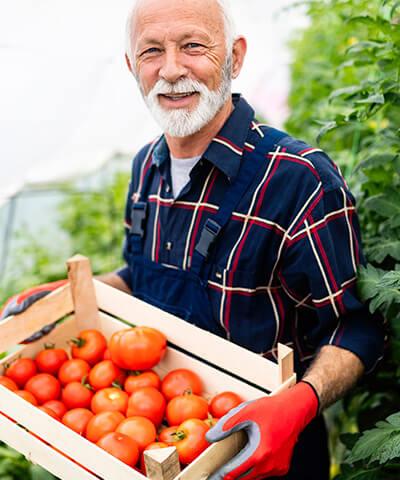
x: 284, y: 268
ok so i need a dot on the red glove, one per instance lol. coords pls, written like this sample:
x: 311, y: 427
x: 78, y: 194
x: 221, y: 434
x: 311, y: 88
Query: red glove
x: 273, y: 425
x: 18, y: 303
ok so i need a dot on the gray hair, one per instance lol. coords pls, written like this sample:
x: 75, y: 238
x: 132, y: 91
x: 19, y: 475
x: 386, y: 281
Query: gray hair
x: 229, y: 25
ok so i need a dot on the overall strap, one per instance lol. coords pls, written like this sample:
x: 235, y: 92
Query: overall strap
x: 251, y: 164
x: 139, y: 202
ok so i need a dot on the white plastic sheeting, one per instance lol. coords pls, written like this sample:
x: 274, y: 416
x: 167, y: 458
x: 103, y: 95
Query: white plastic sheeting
x: 67, y: 101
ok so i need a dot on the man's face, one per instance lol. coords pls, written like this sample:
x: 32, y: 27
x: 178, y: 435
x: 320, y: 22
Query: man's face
x: 180, y: 61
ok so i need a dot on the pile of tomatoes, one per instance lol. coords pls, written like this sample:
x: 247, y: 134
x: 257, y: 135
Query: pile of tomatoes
x: 108, y: 393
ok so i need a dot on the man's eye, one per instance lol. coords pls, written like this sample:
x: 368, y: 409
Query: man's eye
x: 193, y: 45
x: 151, y: 50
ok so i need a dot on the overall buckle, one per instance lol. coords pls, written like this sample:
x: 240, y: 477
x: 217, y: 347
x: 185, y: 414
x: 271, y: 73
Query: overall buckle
x: 138, y: 216
x: 208, y: 236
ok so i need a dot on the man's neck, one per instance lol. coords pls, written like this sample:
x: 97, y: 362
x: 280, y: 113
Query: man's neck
x: 196, y: 144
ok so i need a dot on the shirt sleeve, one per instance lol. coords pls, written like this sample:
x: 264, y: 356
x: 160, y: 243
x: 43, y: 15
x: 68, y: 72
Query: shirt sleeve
x: 319, y: 267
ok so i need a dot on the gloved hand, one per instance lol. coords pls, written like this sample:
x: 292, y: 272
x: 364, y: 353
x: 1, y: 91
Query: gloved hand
x: 273, y: 425
x: 18, y: 303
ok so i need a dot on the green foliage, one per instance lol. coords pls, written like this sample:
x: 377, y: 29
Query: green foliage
x: 14, y: 466
x: 346, y: 95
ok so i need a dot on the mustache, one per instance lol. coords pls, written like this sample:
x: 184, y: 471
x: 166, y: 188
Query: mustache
x: 162, y: 87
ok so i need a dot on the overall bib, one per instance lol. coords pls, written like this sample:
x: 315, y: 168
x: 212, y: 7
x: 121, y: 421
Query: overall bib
x: 184, y: 292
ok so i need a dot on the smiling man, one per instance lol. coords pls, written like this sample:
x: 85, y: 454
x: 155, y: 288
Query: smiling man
x: 243, y: 231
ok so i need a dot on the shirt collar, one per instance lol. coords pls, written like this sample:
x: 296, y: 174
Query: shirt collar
x: 226, y: 149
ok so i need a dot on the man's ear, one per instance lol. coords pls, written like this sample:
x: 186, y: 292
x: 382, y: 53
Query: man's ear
x: 128, y: 62
x: 239, y: 50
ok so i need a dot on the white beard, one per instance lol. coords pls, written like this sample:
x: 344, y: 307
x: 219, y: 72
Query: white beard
x: 181, y: 122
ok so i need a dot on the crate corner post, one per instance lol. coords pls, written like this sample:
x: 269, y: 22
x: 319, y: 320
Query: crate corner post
x: 162, y: 463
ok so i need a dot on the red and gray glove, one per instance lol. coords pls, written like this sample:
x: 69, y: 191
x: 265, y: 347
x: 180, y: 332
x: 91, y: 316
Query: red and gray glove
x: 272, y: 425
x: 18, y: 303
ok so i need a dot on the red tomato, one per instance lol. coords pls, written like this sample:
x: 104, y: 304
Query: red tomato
x: 27, y: 396
x: 105, y: 374
x: 167, y: 435
x: 77, y: 419
x: 147, y: 402
x: 140, y: 380
x: 177, y: 382
x: 50, y: 360
x: 151, y: 446
x: 101, y: 424
x: 141, y: 429
x: 186, y: 406
x: 110, y: 400
x: 50, y: 412
x: 138, y: 348
x: 77, y: 395
x: 222, y: 403
x: 120, y: 446
x: 106, y: 354
x: 73, y: 370
x: 21, y: 370
x: 44, y: 387
x: 58, y: 407
x: 190, y: 440
x: 89, y: 346
x: 8, y: 383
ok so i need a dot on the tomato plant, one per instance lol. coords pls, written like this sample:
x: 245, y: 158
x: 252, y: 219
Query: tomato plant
x: 138, y: 348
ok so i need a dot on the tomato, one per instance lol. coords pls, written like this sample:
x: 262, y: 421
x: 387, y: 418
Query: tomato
x: 138, y: 348
x: 147, y: 402
x: 77, y: 395
x: 58, y: 407
x: 222, y: 403
x: 142, y: 379
x: 177, y: 382
x: 50, y: 360
x: 190, y: 439
x: 27, y: 396
x: 102, y: 423
x: 73, y: 370
x: 77, y: 419
x: 120, y: 446
x: 44, y: 387
x: 186, y: 406
x: 21, y: 370
x: 106, y: 354
x: 110, y: 400
x: 105, y: 374
x: 8, y: 383
x: 151, y: 446
x: 141, y: 429
x: 50, y: 412
x: 167, y: 435
x: 89, y: 346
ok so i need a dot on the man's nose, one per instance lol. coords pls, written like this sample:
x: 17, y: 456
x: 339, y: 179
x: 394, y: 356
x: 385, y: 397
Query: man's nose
x: 172, y: 68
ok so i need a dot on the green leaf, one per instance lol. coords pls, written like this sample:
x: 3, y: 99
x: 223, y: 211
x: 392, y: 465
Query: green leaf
x: 328, y: 126
x: 387, y: 205
x: 39, y: 473
x: 368, y: 279
x: 351, y: 472
x: 377, y: 98
x: 378, y: 160
x: 348, y: 91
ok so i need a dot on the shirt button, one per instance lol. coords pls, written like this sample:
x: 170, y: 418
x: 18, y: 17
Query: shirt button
x: 218, y: 275
x: 168, y: 246
x: 167, y: 188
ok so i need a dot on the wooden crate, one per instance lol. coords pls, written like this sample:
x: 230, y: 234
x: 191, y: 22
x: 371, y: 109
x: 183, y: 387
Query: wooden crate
x: 90, y: 303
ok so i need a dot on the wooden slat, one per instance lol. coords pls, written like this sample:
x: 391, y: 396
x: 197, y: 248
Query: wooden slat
x: 67, y: 441
x: 47, y: 310
x: 162, y: 463
x: 214, y: 349
x: 285, y: 362
x: 37, y: 451
x: 83, y: 294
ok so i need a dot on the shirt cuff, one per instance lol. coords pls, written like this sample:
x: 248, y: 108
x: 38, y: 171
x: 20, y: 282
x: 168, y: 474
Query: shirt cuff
x: 125, y: 274
x: 362, y: 334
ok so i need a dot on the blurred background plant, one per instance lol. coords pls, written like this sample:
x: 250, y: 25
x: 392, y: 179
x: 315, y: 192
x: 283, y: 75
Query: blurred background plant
x: 346, y: 96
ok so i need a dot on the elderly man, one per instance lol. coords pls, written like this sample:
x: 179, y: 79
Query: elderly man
x: 243, y: 231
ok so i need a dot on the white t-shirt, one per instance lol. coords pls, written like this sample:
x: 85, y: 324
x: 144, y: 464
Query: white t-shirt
x: 180, y: 172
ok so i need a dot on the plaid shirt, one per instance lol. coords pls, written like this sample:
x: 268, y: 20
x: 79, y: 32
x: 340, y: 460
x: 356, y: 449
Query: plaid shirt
x: 284, y: 268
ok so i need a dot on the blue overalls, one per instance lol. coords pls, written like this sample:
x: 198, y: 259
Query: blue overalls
x: 184, y: 292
